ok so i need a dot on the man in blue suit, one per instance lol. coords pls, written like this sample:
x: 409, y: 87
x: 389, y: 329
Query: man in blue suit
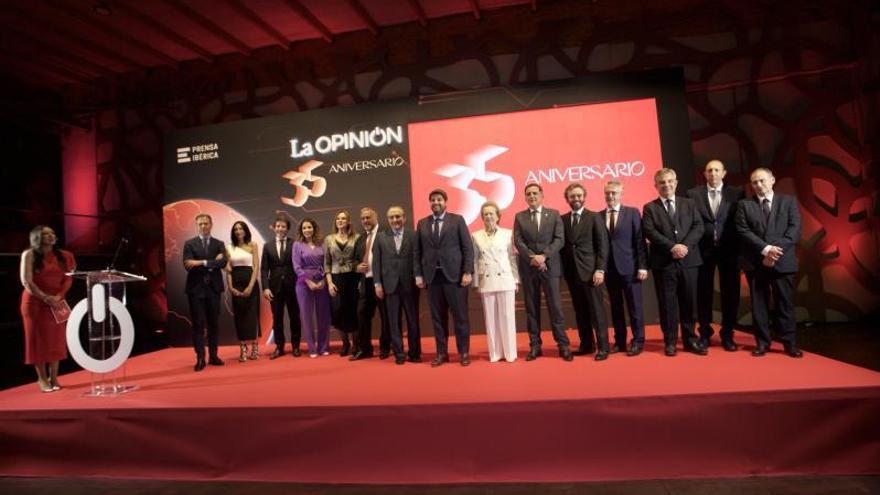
x: 204, y: 258
x: 627, y: 268
x: 716, y: 202
x: 769, y: 226
x: 444, y: 263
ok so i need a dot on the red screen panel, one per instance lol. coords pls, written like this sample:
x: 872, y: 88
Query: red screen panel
x: 493, y: 157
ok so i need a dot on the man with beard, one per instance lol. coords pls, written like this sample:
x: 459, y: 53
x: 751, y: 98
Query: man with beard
x: 279, y: 287
x: 444, y: 263
x: 584, y: 258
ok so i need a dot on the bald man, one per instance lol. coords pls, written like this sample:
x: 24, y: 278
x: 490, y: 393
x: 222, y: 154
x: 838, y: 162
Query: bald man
x: 716, y: 203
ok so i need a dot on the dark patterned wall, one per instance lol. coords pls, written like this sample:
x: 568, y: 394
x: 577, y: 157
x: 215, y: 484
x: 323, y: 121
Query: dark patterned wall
x: 784, y: 86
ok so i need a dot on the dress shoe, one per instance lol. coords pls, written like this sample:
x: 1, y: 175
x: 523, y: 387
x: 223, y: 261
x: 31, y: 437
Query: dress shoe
x: 414, y: 359
x: 439, y: 360
x: 565, y: 354
x: 696, y: 348
x: 215, y: 361
x: 200, y: 364
x: 277, y: 353
x: 399, y: 359
x: 584, y: 351
x: 759, y: 351
x: 729, y: 345
x: 705, y: 342
x: 601, y: 356
x: 346, y: 347
x: 357, y: 356
x: 793, y: 351
x: 534, y: 353
x: 616, y: 348
x: 670, y: 350
x: 383, y: 354
x: 635, y: 350
x: 465, y: 360
x: 296, y: 352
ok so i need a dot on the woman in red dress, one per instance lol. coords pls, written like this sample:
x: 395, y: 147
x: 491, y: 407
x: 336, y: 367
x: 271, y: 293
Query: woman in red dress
x: 43, y: 269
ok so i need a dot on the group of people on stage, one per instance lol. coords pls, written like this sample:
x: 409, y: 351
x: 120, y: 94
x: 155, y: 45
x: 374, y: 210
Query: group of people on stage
x: 344, y: 278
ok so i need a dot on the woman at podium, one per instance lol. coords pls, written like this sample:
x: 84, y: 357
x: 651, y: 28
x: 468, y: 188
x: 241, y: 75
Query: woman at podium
x: 43, y: 268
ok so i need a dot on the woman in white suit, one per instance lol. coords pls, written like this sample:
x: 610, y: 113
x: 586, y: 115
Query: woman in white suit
x: 497, y: 279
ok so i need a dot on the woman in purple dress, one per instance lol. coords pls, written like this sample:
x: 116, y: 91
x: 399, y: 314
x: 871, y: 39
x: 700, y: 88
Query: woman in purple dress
x: 311, y: 288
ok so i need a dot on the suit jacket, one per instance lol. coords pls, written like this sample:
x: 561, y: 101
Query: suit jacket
x: 209, y: 277
x: 586, y: 246
x: 723, y: 222
x: 783, y: 229
x: 495, y: 267
x: 628, y: 251
x: 662, y: 233
x: 276, y: 269
x: 393, y: 269
x: 340, y: 260
x: 547, y: 240
x: 453, y: 252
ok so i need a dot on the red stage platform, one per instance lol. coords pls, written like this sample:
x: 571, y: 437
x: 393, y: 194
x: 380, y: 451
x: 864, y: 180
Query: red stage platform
x: 328, y: 420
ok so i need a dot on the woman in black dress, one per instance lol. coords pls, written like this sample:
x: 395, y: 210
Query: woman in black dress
x: 241, y: 279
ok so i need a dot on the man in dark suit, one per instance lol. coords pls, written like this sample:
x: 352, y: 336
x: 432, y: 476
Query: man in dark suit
x: 769, y: 226
x: 584, y: 258
x: 204, y: 258
x: 716, y: 202
x: 444, y: 263
x: 627, y: 268
x: 279, y: 287
x: 539, y: 236
x: 394, y: 282
x: 367, y: 301
x: 673, y: 227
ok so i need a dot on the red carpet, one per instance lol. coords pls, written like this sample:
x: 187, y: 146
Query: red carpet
x: 331, y: 421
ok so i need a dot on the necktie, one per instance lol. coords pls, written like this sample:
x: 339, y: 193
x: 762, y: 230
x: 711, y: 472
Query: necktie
x: 713, y: 201
x: 369, y: 248
x: 205, y: 245
x: 670, y: 208
x: 612, y: 220
x: 534, y: 214
x: 576, y: 219
x: 765, y: 207
x: 435, y: 228
x: 398, y: 239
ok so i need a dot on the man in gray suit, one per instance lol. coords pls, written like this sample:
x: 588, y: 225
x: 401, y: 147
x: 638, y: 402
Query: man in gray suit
x: 394, y: 282
x: 769, y: 226
x: 443, y: 261
x: 538, y: 236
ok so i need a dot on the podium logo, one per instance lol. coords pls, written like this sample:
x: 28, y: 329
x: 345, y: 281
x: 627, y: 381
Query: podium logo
x: 198, y: 153
x: 478, y: 184
x: 298, y: 179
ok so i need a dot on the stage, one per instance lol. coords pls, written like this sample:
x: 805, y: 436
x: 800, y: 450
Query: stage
x: 328, y: 420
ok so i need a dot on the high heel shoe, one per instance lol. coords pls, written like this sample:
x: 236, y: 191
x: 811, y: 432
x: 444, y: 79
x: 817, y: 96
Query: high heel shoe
x: 254, y: 352
x: 242, y: 357
x: 45, y: 387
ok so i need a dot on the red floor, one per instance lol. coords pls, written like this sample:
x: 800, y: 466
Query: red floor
x: 330, y: 420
